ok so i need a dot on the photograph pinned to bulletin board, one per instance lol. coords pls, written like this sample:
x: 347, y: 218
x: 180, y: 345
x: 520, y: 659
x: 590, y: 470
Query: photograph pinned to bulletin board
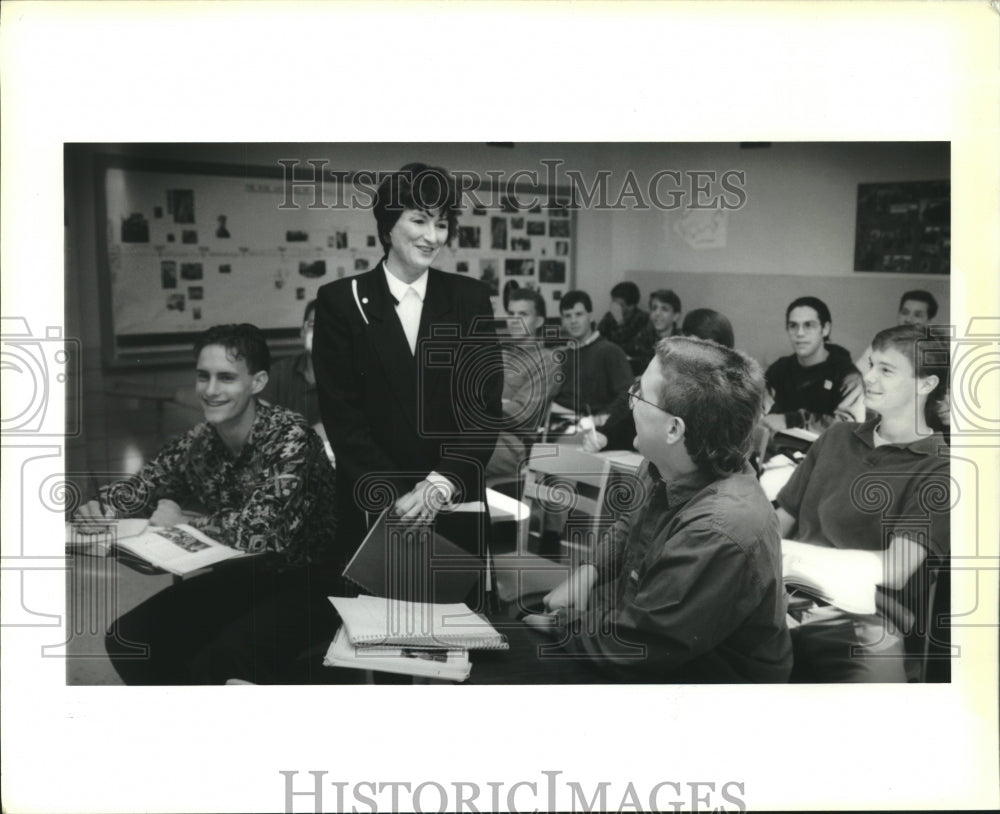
x: 184, y: 246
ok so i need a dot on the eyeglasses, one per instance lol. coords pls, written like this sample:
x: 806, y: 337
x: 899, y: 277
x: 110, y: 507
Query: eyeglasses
x: 633, y: 397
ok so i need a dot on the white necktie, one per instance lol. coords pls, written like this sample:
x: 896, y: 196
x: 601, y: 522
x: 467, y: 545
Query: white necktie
x: 409, y: 315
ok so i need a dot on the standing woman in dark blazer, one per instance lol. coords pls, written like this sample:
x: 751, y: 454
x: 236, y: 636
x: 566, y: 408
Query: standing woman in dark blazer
x: 408, y: 370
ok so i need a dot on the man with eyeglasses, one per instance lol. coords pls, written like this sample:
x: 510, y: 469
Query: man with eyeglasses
x: 817, y: 385
x: 687, y: 587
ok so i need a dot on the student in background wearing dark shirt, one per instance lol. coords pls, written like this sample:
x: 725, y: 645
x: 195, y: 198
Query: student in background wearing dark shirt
x: 664, y: 314
x: 688, y: 586
x: 292, y: 382
x: 625, y: 323
x: 596, y: 370
x: 818, y: 384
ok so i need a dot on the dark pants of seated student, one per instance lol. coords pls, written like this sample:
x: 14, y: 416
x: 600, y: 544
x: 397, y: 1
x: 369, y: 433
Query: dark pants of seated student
x: 243, y: 620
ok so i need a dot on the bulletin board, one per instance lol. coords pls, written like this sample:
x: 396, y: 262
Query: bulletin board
x: 904, y: 227
x: 184, y: 246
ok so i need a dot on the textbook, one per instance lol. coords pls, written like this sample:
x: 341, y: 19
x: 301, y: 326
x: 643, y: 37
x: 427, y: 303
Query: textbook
x: 419, y: 566
x: 180, y: 549
x: 375, y: 620
x: 845, y: 578
x: 447, y: 663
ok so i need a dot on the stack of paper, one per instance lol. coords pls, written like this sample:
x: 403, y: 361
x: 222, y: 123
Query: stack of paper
x: 414, y: 638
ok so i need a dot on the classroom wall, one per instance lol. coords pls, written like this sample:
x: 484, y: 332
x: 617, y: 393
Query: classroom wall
x: 794, y: 235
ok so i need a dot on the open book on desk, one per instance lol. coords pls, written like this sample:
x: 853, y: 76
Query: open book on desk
x: 447, y: 663
x: 846, y: 578
x: 181, y: 549
x: 375, y: 620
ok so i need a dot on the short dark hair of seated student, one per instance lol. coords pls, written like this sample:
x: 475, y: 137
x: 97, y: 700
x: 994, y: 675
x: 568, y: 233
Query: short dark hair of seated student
x: 627, y: 292
x: 530, y: 295
x: 262, y: 484
x: 243, y: 341
x: 668, y: 297
x: 874, y: 497
x: 821, y: 308
x: 704, y: 323
x: 415, y: 186
x: 917, y: 307
x: 573, y: 298
x: 687, y: 585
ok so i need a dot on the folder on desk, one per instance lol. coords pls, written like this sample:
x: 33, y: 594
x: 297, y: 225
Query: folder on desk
x: 419, y: 565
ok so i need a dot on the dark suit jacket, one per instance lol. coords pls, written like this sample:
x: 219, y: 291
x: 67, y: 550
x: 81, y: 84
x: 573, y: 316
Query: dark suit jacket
x: 392, y: 416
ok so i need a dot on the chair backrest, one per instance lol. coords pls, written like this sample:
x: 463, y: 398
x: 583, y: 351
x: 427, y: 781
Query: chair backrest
x: 565, y: 482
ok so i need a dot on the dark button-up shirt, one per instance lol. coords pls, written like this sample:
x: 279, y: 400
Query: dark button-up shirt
x: 690, y: 586
x: 277, y: 495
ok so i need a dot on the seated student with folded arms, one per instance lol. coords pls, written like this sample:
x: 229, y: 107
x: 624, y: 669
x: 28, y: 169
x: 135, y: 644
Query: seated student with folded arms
x: 265, y: 486
x: 818, y: 384
x: 879, y: 487
x: 688, y: 587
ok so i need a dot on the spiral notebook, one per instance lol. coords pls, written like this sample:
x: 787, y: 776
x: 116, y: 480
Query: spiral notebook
x: 375, y: 620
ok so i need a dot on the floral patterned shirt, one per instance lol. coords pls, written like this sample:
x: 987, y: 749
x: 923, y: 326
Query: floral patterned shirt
x: 277, y: 495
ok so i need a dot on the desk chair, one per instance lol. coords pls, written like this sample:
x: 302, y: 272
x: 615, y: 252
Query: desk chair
x: 564, y: 488
x: 918, y: 613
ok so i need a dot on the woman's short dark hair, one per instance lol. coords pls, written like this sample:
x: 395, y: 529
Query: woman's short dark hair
x: 572, y: 298
x: 415, y: 186
x: 811, y: 302
x: 719, y: 393
x: 667, y: 297
x: 929, y: 355
x: 243, y: 341
x: 704, y: 323
x: 627, y: 292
